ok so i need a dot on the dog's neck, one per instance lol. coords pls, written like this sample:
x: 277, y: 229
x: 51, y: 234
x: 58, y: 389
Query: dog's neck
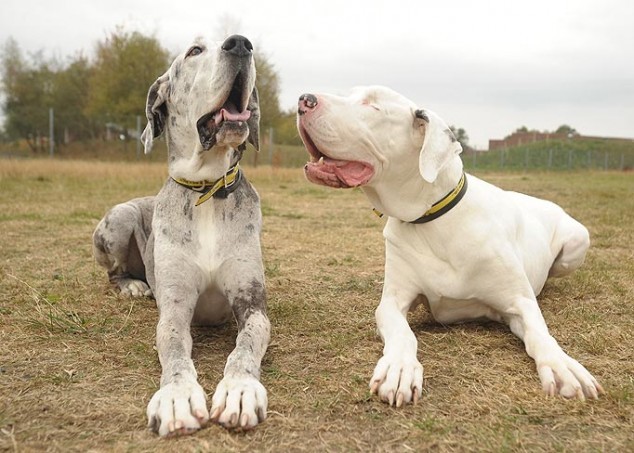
x: 188, y: 160
x: 402, y: 193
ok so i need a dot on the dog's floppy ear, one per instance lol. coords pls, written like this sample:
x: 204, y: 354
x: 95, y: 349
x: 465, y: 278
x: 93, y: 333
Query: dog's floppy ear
x: 439, y: 145
x: 254, y: 119
x: 155, y: 111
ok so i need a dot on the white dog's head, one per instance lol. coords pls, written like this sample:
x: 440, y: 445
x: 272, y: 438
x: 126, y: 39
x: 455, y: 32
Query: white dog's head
x: 206, y: 98
x: 353, y: 140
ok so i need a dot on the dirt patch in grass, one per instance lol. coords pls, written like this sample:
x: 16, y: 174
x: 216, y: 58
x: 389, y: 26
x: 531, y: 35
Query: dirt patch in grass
x: 77, y: 365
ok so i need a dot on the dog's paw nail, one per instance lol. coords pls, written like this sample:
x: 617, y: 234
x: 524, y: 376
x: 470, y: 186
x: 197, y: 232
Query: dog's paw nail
x: 215, y: 413
x: 390, y: 398
x: 399, y: 399
x: 415, y: 396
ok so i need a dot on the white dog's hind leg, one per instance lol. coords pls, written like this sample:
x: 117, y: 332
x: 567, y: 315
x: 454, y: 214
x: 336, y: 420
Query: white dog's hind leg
x: 575, y: 241
x: 558, y: 372
x: 398, y: 375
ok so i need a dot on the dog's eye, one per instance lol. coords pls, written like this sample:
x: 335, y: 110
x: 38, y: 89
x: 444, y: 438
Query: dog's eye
x: 194, y: 51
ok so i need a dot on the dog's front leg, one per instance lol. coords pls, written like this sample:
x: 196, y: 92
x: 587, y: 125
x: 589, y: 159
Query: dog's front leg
x: 180, y: 405
x: 398, y: 376
x: 240, y: 400
x: 559, y: 373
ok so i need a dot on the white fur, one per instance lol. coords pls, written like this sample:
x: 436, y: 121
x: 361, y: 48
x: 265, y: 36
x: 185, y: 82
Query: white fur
x: 488, y: 257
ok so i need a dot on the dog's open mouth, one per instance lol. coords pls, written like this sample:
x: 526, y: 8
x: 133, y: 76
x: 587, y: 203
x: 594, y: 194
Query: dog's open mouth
x: 230, y: 121
x: 336, y: 173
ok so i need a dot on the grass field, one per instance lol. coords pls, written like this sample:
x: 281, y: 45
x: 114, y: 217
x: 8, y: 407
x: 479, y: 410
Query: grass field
x: 77, y: 365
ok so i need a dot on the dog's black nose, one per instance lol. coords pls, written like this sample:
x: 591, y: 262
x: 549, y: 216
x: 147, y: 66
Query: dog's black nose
x: 237, y: 45
x: 307, y: 102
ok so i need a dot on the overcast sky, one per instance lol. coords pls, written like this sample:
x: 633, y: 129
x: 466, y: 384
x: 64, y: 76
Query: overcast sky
x: 486, y: 66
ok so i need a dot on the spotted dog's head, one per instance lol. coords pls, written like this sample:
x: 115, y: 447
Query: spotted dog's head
x: 206, y: 99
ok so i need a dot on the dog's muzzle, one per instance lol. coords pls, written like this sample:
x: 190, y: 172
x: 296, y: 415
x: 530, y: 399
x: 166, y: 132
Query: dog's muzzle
x: 228, y: 124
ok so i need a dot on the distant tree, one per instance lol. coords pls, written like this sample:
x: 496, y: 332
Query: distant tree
x: 27, y: 88
x: 565, y: 129
x: 125, y: 66
x: 268, y: 85
x: 461, y: 136
x: 523, y: 130
x: 70, y: 98
x: 286, y: 128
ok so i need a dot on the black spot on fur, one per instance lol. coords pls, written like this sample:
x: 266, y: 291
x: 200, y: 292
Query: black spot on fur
x: 187, y: 208
x: 102, y: 243
x: 247, y: 301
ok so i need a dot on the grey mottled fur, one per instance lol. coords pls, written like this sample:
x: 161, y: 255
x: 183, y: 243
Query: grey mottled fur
x: 203, y: 263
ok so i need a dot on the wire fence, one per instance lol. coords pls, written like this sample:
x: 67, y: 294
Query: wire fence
x: 122, y: 143
x: 549, y: 159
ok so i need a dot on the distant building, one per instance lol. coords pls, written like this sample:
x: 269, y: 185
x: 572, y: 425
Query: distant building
x: 523, y: 138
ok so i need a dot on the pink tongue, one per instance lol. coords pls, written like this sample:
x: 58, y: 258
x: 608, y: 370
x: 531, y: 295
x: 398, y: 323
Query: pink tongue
x: 352, y: 173
x: 230, y: 113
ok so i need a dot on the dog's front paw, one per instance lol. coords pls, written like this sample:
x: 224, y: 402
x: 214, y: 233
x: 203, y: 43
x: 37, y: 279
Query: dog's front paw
x: 177, y: 409
x: 239, y: 402
x: 565, y: 376
x: 397, y: 380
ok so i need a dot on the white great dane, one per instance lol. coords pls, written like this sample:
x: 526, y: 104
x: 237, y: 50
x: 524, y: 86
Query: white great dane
x: 196, y: 245
x: 464, y: 248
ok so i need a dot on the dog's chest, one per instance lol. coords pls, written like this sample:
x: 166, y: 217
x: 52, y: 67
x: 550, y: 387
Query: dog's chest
x: 210, y: 236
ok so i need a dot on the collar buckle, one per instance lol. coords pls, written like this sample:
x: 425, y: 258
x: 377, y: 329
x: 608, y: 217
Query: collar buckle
x: 219, y: 188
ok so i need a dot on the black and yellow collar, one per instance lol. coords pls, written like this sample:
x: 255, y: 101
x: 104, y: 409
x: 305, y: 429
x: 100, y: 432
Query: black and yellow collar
x: 444, y: 205
x: 219, y: 188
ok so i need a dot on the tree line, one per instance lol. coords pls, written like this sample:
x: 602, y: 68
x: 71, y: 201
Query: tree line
x: 91, y: 96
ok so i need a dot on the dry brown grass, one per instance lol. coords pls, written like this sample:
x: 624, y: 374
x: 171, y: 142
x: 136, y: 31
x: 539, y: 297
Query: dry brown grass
x: 77, y: 365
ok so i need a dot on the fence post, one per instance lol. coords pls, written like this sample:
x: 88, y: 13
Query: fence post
x: 589, y: 159
x: 138, y: 137
x: 270, y: 146
x: 550, y: 158
x: 622, y: 161
x: 605, y: 160
x: 570, y: 159
x: 526, y: 160
x: 475, y: 153
x: 51, y: 132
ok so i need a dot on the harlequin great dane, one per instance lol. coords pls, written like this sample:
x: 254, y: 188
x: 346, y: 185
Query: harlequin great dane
x: 196, y: 245
x: 462, y: 247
